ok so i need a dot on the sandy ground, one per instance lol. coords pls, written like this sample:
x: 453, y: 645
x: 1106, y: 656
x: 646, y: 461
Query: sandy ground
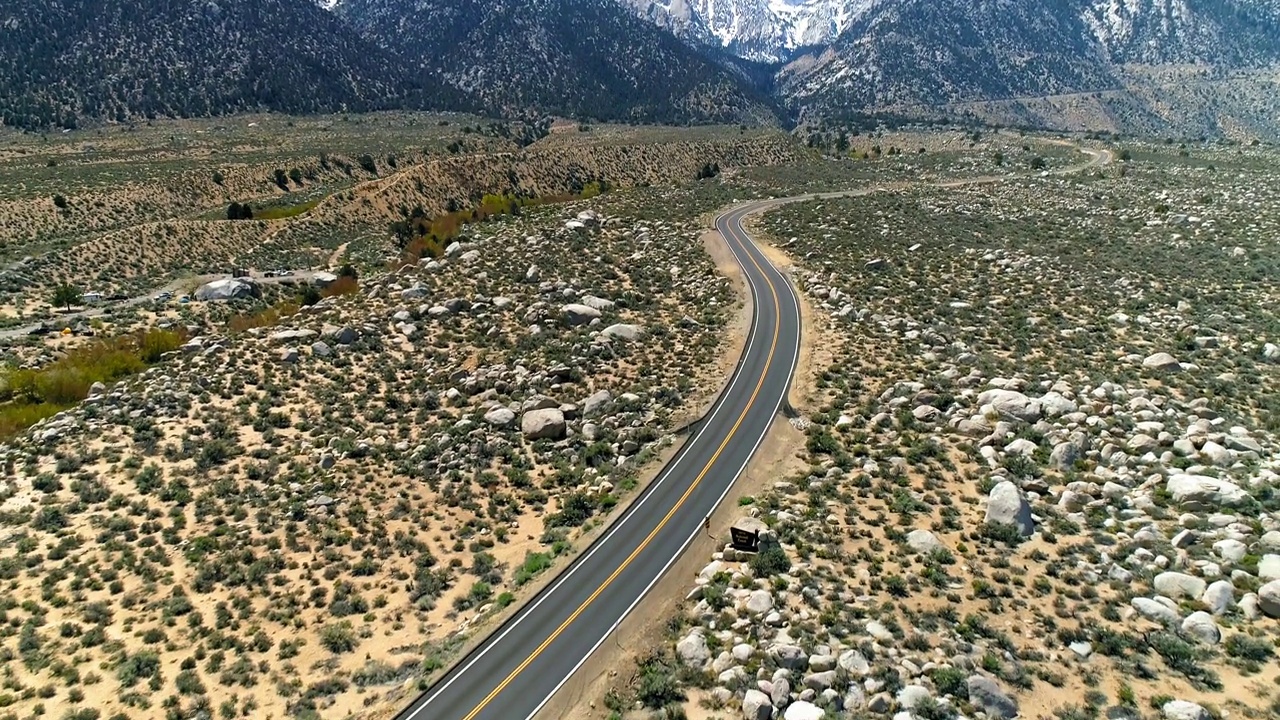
x: 736, y: 339
x: 614, y: 664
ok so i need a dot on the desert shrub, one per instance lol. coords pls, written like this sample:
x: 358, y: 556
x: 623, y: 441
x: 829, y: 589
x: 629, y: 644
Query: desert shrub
x: 534, y: 564
x: 344, y: 285
x: 771, y: 560
x: 657, y: 685
x: 139, y: 665
x: 574, y: 510
x: 1248, y: 648
x: 950, y: 681
x: 338, y: 637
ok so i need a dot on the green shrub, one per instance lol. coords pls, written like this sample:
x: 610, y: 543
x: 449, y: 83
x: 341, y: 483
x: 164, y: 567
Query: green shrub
x: 534, y: 564
x: 1248, y: 648
x: 657, y: 686
x: 950, y: 681
x: 338, y: 637
x: 771, y: 560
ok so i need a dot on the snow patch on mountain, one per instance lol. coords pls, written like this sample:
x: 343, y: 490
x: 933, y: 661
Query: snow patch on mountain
x: 762, y: 30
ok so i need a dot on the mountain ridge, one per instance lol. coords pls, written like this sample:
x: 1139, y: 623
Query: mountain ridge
x: 590, y: 59
x: 118, y: 60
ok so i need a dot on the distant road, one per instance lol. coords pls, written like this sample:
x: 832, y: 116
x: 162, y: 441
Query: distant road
x: 524, y: 662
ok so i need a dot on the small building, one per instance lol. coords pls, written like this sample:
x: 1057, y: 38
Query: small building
x: 91, y: 298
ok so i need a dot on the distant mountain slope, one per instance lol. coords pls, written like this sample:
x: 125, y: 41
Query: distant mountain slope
x: 580, y: 58
x: 1231, y: 33
x: 927, y: 51
x: 117, y: 59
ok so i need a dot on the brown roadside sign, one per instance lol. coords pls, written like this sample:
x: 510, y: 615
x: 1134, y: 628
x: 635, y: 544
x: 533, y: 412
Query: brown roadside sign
x: 744, y: 540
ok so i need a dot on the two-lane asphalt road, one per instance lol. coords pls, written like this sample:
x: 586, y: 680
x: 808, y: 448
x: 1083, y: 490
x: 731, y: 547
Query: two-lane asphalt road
x: 517, y: 670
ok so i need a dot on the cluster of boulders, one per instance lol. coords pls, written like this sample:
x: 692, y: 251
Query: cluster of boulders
x: 999, y: 433
x: 776, y: 660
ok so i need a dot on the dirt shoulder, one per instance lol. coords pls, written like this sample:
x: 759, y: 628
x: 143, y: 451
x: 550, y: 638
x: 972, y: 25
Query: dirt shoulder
x: 713, y: 385
x: 778, y: 456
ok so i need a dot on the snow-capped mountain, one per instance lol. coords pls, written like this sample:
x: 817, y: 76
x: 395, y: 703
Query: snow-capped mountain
x: 760, y: 30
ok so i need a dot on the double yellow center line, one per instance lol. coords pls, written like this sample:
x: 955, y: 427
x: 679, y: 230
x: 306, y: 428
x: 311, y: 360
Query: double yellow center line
x: 679, y: 503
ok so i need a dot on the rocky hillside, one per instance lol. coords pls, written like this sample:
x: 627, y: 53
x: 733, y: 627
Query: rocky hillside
x: 586, y: 59
x: 922, y: 56
x: 1231, y: 33
x: 130, y: 256
x: 1040, y: 475
x: 115, y: 60
x: 920, y: 51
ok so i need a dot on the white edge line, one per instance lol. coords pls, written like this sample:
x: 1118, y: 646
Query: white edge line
x: 795, y: 357
x: 666, y: 473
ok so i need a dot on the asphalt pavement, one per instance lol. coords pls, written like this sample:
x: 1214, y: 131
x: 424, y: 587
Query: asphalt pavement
x: 522, y: 664
x: 517, y: 670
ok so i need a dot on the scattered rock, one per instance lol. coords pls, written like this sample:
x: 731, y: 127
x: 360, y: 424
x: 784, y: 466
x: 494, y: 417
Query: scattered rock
x: 1184, y: 710
x: 1201, y: 626
x: 548, y: 424
x: 986, y: 695
x: 1162, y: 362
x: 228, y: 289
x: 1007, y: 506
x: 578, y: 314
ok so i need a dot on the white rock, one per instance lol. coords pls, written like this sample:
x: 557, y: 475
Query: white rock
x: 545, y: 424
x: 923, y: 541
x: 1201, y: 626
x: 692, y: 650
x: 1269, y: 567
x: 1154, y: 611
x: 986, y: 695
x: 1204, y: 493
x: 802, y: 710
x: 852, y: 662
x: 1231, y: 550
x: 759, y: 602
x: 1183, y: 710
x: 500, y: 417
x: 1012, y: 405
x: 1006, y: 505
x: 1162, y: 362
x: 1269, y: 599
x: 578, y: 314
x: 756, y: 706
x: 622, y: 331
x: 912, y: 695
x: 1219, y: 597
x: 1179, y: 585
x: 1215, y: 454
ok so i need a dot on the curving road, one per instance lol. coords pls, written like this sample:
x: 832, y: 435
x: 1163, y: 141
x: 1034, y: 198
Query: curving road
x: 517, y: 670
x: 519, y: 667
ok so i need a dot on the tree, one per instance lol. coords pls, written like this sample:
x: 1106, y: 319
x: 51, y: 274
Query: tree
x: 236, y: 211
x: 282, y: 179
x: 1037, y: 163
x: 348, y: 270
x: 66, y: 295
x: 60, y: 202
x: 296, y: 176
